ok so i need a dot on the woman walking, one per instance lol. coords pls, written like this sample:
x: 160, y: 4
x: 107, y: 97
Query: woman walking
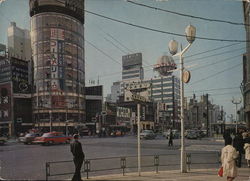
x: 228, y: 156
x: 247, y: 150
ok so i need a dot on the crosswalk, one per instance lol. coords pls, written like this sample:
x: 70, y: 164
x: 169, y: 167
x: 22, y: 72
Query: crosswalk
x: 204, y: 148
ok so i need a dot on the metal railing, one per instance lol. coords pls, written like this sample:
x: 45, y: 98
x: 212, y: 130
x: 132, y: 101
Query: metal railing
x: 128, y: 164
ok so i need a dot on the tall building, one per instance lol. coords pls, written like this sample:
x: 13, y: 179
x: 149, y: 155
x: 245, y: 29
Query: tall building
x: 19, y: 43
x: 165, y: 90
x: 115, y: 91
x: 246, y: 64
x: 57, y: 39
x: 132, y: 67
x: 15, y: 96
x: 94, y: 102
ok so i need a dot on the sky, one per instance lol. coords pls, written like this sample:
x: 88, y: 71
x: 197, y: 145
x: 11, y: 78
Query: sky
x: 217, y: 72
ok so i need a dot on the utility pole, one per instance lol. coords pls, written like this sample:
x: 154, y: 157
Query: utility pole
x: 138, y: 139
x: 236, y: 102
x: 207, y: 117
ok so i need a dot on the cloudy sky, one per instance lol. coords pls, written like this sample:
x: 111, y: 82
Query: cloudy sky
x: 216, y: 65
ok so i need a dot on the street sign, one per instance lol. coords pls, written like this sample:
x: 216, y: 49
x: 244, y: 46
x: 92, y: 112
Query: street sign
x: 186, y: 76
x: 137, y: 97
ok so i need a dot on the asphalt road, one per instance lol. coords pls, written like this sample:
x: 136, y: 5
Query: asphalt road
x: 21, y: 162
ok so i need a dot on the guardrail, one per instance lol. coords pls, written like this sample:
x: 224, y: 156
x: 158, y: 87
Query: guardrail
x: 128, y: 164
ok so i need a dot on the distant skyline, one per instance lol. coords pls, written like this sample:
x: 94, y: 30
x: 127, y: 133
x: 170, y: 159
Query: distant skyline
x: 217, y: 72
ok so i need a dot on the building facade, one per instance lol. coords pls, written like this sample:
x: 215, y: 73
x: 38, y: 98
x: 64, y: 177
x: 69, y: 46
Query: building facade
x: 116, y: 91
x: 246, y: 64
x: 94, y: 102
x: 57, y: 39
x: 19, y: 43
x: 165, y: 91
x: 15, y: 96
x: 132, y: 67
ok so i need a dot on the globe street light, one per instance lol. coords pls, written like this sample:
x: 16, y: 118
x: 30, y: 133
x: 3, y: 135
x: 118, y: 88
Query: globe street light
x: 190, y: 32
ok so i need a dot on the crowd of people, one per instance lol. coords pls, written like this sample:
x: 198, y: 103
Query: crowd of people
x: 236, y: 145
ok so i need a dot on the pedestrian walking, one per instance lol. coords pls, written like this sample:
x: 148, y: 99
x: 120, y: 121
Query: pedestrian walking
x: 226, y: 136
x: 170, y: 142
x: 238, y: 144
x: 228, y: 156
x: 247, y: 151
x: 76, y: 149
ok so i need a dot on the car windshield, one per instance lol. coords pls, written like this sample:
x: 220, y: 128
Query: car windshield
x: 47, y: 135
x: 30, y: 135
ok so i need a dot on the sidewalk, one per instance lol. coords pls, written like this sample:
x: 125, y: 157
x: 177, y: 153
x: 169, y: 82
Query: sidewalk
x: 193, y: 175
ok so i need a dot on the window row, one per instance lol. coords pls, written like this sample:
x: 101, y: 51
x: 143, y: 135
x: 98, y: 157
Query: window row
x: 56, y: 34
x: 68, y: 87
x: 56, y: 47
x: 53, y: 20
x: 47, y: 102
x: 58, y: 73
x: 45, y: 60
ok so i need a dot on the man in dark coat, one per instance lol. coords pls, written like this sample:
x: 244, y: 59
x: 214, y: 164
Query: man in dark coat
x: 238, y: 144
x: 170, y: 142
x: 76, y: 149
x: 226, y: 136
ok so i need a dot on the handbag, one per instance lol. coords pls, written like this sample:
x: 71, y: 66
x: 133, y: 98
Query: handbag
x: 220, y: 172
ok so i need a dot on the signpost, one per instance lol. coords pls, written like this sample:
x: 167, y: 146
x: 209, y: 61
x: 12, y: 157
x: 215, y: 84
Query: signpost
x: 138, y: 98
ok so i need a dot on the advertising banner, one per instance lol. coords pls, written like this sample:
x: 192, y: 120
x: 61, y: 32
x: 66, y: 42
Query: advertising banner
x: 5, y: 70
x: 20, y: 76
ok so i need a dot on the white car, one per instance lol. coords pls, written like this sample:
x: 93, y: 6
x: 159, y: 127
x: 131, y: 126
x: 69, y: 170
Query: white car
x: 147, y: 134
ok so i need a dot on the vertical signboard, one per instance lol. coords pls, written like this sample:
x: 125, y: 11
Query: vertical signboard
x: 57, y: 67
x: 5, y: 103
x: 61, y: 64
x: 20, y: 75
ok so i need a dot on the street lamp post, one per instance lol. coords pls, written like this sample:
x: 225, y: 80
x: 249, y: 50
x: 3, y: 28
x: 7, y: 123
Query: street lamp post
x: 138, y: 138
x: 50, y: 121
x: 236, y: 102
x: 173, y: 48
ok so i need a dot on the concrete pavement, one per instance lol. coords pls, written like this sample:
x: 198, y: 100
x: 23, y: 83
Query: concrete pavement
x: 193, y: 175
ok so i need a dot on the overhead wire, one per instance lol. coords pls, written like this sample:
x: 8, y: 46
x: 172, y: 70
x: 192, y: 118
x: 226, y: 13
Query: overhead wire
x: 216, y: 62
x: 188, y: 15
x: 220, y: 94
x: 101, y: 51
x: 121, y: 50
x: 215, y: 89
x: 215, y: 49
x: 161, y: 31
x: 209, y: 56
x: 150, y: 67
x: 210, y: 76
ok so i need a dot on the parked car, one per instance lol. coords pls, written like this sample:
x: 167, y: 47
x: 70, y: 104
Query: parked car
x: 52, y: 138
x: 192, y: 135
x: 147, y: 134
x: 176, y: 134
x: 29, y: 138
x: 2, y: 140
x: 115, y: 133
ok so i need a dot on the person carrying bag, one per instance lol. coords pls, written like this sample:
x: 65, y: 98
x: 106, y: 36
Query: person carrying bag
x: 228, y: 157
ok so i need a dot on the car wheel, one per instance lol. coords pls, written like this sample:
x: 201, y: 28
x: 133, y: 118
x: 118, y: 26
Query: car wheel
x: 50, y: 142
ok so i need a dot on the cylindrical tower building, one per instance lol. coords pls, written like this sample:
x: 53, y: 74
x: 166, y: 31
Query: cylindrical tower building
x: 57, y: 41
